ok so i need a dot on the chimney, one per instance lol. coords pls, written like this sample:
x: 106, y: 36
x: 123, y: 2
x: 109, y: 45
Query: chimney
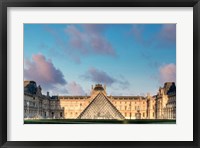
x: 105, y: 87
x: 47, y: 94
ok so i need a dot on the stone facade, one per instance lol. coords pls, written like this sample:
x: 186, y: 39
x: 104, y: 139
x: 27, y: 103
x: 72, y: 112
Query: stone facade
x: 160, y: 106
x: 166, y: 102
x: 38, y: 106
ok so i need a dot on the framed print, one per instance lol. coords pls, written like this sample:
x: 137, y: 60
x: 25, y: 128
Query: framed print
x: 103, y: 73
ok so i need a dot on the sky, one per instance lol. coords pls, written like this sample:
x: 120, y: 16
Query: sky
x: 130, y: 59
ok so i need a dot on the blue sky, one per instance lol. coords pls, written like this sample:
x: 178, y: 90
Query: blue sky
x: 131, y: 59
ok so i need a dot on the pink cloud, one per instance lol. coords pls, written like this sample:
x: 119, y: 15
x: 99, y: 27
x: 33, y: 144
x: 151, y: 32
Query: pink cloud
x: 89, y: 40
x: 77, y: 39
x: 82, y: 42
x: 75, y: 89
x: 167, y: 73
x: 98, y: 76
x: 137, y: 31
x: 62, y: 44
x: 168, y: 33
x: 162, y: 39
x: 94, y: 28
x: 101, y: 46
x: 43, y: 72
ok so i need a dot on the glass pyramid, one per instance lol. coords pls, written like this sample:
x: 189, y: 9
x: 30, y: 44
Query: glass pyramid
x: 100, y: 108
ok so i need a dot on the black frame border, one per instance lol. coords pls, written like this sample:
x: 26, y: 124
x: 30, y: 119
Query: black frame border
x: 99, y: 3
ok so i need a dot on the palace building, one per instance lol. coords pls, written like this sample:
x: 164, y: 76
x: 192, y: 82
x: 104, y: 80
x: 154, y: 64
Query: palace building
x: 99, y: 105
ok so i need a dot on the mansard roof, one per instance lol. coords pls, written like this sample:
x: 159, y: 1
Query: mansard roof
x: 98, y: 87
x: 30, y: 87
x: 128, y: 97
x: 169, y: 87
x: 73, y: 97
x: 113, y: 97
x: 26, y: 82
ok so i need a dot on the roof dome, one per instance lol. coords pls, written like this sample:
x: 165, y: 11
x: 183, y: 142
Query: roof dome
x: 98, y: 87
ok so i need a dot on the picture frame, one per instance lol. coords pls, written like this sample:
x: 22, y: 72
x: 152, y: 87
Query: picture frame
x: 99, y: 3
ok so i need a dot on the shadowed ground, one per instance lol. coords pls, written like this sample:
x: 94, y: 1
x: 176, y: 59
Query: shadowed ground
x: 89, y: 121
